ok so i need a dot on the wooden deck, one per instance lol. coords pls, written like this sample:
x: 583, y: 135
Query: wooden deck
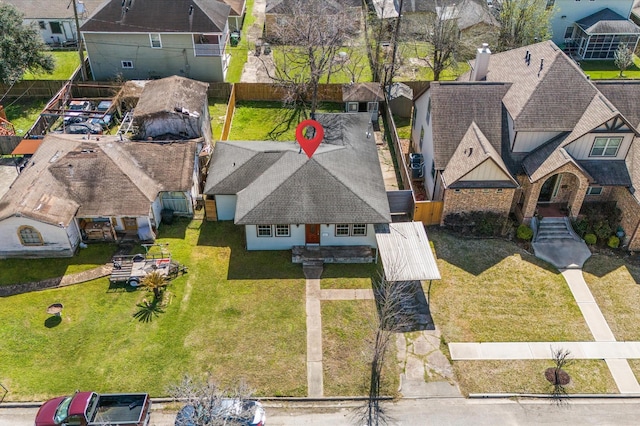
x: 332, y: 254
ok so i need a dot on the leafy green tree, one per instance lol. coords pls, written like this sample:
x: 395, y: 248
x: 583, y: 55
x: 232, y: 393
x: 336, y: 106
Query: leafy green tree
x: 21, y: 47
x: 623, y: 57
x: 522, y: 22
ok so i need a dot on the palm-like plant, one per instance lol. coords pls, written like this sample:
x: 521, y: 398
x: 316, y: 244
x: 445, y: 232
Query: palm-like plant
x: 156, y: 282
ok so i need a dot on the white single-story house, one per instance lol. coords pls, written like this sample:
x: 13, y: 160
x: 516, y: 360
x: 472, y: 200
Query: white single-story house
x: 285, y: 199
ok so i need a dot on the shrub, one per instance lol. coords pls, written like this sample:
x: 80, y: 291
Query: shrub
x: 581, y: 226
x: 524, y: 232
x: 614, y: 242
x: 603, y: 230
x: 590, y: 239
x: 479, y: 223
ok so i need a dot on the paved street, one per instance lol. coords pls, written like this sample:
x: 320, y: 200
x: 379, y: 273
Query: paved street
x: 445, y: 411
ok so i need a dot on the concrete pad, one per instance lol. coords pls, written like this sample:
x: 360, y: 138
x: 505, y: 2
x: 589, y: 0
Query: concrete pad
x: 414, y: 369
x: 315, y: 383
x: 401, y: 348
x: 364, y: 294
x: 596, y: 322
x: 313, y: 288
x: 577, y: 285
x: 500, y: 350
x: 422, y: 346
x: 623, y: 376
x: 437, y: 362
x: 563, y: 254
x: 464, y: 351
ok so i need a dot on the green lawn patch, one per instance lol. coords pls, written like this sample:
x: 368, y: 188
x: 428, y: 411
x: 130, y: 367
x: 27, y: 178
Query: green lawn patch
x: 16, y: 271
x: 492, y: 291
x: 527, y: 376
x: 348, y: 330
x: 236, y: 314
x: 217, y: 112
x: 403, y: 126
x: 614, y: 285
x: 259, y: 121
x: 416, y: 69
x: 66, y: 63
x: 348, y: 276
x: 23, y: 113
x: 607, y: 70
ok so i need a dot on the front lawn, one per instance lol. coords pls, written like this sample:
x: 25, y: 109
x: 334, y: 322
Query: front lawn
x: 66, y: 63
x: 236, y: 314
x: 260, y: 121
x: 607, y: 70
x: 492, y: 291
x: 23, y: 113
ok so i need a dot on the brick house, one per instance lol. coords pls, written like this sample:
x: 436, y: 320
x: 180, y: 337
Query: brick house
x: 526, y: 129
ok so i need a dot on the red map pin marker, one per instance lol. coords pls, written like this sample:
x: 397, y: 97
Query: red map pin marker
x: 309, y: 145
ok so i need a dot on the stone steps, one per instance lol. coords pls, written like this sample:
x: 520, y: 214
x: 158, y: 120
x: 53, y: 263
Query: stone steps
x: 552, y: 228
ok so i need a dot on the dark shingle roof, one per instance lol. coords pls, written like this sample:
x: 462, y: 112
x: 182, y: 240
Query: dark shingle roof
x: 606, y: 21
x: 237, y: 7
x: 455, y: 105
x: 166, y: 94
x: 69, y: 174
x: 276, y: 183
x: 362, y: 92
x: 607, y: 172
x: 625, y: 96
x: 51, y: 9
x: 159, y: 16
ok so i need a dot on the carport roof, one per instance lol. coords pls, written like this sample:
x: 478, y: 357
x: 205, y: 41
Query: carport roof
x: 405, y: 252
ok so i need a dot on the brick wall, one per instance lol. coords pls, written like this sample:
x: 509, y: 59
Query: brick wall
x: 630, y: 215
x: 466, y: 200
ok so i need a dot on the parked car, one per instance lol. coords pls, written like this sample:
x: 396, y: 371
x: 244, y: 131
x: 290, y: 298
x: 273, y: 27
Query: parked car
x: 230, y: 411
x: 75, y: 111
x: 105, y: 120
x: 83, y: 128
x: 92, y: 409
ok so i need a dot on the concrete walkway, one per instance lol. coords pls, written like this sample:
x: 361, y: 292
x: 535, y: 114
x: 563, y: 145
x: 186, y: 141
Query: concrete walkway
x: 604, y: 346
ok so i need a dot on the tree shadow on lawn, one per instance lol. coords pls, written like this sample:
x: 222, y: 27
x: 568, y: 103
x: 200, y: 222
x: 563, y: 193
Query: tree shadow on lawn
x: 245, y: 264
x: 477, y: 255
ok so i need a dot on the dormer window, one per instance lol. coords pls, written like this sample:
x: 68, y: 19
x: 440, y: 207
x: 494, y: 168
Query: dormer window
x: 606, y: 147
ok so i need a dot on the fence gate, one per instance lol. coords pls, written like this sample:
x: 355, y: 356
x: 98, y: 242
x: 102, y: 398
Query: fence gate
x: 428, y: 212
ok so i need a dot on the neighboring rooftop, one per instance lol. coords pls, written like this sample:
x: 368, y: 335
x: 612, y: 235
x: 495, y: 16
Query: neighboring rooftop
x: 53, y: 9
x: 167, y: 94
x: 606, y: 21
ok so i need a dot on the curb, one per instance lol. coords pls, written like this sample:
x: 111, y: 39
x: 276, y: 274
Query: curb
x: 548, y: 396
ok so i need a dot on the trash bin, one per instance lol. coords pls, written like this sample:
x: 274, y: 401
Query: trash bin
x: 234, y: 39
x: 266, y: 48
x: 417, y: 170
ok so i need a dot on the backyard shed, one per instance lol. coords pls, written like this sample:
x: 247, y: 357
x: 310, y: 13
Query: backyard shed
x: 363, y: 97
x: 400, y: 98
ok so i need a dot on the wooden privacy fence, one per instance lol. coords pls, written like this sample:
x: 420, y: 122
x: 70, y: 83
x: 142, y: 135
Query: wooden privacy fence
x: 271, y: 92
x: 428, y: 212
x: 231, y: 107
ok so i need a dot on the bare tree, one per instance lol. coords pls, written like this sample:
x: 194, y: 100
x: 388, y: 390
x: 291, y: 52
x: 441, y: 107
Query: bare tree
x: 309, y: 40
x: 522, y: 22
x: 379, y: 30
x: 623, y: 58
x: 558, y: 377
x: 212, y: 405
x: 393, y: 299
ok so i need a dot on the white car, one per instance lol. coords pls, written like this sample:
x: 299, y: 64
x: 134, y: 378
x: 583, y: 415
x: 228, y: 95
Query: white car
x: 228, y: 411
x: 75, y: 110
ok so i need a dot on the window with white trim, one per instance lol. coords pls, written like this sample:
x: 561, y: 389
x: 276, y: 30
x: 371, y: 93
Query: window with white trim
x: 264, y: 230
x: 606, y: 147
x: 342, y: 230
x: 359, y: 229
x: 29, y: 236
x: 594, y: 190
x: 283, y: 231
x: 352, y: 107
x: 156, y: 41
x: 127, y: 64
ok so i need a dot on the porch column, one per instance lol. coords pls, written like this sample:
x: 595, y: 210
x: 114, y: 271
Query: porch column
x: 531, y: 199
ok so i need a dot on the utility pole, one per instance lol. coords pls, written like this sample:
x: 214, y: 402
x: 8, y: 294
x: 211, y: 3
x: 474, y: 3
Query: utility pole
x: 83, y: 71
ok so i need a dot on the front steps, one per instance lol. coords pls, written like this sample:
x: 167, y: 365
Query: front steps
x: 555, y: 228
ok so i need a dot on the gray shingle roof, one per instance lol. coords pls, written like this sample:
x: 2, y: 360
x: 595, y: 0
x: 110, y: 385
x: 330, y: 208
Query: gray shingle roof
x: 625, y: 96
x: 50, y: 9
x: 276, y: 183
x: 159, y: 16
x: 474, y: 149
x: 455, y: 105
x: 397, y: 90
x: 97, y: 178
x: 164, y: 95
x: 467, y: 12
x: 362, y: 92
x: 606, y: 21
x: 609, y: 173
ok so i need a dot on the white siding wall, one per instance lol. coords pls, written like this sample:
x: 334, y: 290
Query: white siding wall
x: 156, y: 209
x: 421, y: 106
x: 328, y: 237
x: 486, y: 171
x: 528, y: 141
x: 254, y: 242
x: 226, y: 206
x: 56, y: 240
x: 569, y: 11
x: 581, y: 148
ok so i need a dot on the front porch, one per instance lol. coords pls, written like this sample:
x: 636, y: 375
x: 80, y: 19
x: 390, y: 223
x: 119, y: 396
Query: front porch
x: 332, y: 254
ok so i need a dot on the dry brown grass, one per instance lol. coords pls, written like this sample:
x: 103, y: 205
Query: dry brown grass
x: 493, y: 291
x: 348, y: 275
x: 617, y: 293
x: 527, y: 376
x: 348, y: 330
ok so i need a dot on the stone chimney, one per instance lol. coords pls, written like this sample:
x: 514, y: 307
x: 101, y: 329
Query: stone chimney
x: 481, y: 66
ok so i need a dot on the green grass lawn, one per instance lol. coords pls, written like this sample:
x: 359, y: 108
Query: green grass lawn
x: 356, y: 68
x: 258, y: 121
x: 66, y: 64
x: 235, y: 314
x: 24, y: 113
x: 217, y: 112
x: 240, y: 52
x: 413, y: 69
x: 349, y: 275
x: 527, y: 376
x: 491, y: 291
x: 403, y: 126
x: 607, y: 70
x: 347, y: 351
